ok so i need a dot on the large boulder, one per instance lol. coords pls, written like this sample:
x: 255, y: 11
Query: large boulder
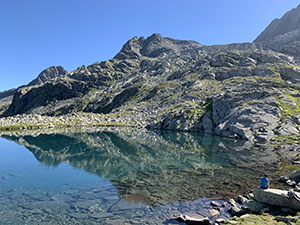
x: 276, y: 197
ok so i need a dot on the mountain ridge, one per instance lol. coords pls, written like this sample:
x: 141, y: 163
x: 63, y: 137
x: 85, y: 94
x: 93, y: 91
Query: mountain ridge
x: 247, y: 91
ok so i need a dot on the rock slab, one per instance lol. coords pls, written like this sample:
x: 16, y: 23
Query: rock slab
x: 276, y: 197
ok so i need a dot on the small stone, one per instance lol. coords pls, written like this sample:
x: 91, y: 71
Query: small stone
x: 297, y: 187
x: 214, y: 204
x: 241, y: 199
x: 283, y: 179
x: 238, y: 211
x: 220, y: 220
x: 251, y: 196
x: 225, y: 204
x: 232, y: 202
x: 244, y: 216
x: 213, y: 213
x: 291, y: 183
x: 234, y: 211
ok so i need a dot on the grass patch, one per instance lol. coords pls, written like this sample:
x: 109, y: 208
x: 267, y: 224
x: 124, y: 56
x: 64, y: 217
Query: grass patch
x: 288, y: 139
x: 286, y: 167
x: 164, y: 85
x: 253, y: 219
x: 287, y: 109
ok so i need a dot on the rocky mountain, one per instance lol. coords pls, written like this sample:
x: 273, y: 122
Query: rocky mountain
x: 46, y: 75
x: 247, y: 91
x: 288, y: 23
x: 7, y: 93
x: 6, y: 99
x: 283, y: 35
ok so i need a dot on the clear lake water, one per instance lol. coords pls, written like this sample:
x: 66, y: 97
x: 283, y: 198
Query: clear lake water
x: 122, y: 176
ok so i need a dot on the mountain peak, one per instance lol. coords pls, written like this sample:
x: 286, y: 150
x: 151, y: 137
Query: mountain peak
x: 131, y: 49
x: 153, y: 46
x: 47, y: 74
x: 288, y: 23
x: 154, y: 37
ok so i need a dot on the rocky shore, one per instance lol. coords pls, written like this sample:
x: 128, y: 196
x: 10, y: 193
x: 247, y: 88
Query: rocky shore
x: 269, y: 206
x: 73, y: 120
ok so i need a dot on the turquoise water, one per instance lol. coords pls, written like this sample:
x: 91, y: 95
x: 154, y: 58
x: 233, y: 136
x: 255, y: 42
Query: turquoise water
x: 121, y: 176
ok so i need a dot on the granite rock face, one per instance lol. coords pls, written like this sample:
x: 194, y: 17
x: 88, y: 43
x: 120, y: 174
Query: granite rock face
x: 248, y: 91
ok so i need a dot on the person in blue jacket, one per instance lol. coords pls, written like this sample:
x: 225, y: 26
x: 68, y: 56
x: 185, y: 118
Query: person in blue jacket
x: 264, y: 182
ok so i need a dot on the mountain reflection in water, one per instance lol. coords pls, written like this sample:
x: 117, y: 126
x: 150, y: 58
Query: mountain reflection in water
x: 157, y: 167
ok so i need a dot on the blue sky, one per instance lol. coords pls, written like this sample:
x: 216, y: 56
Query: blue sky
x: 36, y: 34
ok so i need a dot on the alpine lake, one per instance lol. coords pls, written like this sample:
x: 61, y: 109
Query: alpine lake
x: 123, y: 176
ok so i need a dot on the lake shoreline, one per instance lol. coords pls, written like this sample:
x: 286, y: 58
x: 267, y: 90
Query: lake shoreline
x: 83, y: 120
x: 75, y: 120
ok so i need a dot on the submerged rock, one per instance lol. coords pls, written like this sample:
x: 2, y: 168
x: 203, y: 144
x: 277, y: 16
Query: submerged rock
x: 214, y: 203
x: 213, y: 213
